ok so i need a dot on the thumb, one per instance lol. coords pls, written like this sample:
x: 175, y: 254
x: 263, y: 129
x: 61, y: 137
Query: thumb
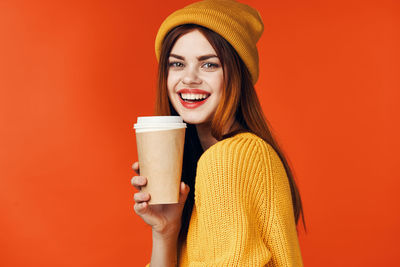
x: 183, y: 193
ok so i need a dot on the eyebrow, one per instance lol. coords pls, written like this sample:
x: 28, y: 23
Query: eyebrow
x: 176, y: 56
x: 201, y: 58
x: 205, y: 57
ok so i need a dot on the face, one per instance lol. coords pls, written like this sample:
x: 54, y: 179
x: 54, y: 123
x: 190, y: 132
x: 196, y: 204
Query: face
x: 195, y: 78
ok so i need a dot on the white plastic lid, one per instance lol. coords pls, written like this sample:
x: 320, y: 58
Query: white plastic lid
x: 158, y: 123
x: 159, y: 119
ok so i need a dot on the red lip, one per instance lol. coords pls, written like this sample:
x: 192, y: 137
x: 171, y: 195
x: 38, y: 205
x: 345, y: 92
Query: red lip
x: 192, y: 105
x: 192, y: 91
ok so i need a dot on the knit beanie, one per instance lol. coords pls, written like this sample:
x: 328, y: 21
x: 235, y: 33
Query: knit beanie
x: 240, y: 24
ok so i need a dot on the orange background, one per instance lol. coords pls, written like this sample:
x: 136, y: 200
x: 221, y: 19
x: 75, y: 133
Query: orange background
x: 74, y: 75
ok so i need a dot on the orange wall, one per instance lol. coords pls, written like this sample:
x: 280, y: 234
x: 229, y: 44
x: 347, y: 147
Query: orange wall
x: 74, y: 75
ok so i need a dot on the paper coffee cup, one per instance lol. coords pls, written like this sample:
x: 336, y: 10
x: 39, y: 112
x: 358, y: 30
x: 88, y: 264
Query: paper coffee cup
x: 160, y: 141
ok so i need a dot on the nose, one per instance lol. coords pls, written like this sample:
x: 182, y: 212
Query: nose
x: 191, y: 76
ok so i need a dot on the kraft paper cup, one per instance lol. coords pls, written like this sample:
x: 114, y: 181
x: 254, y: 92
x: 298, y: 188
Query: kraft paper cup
x: 160, y: 141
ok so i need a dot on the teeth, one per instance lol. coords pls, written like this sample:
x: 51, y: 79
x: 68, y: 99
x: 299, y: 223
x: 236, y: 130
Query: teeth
x: 193, y: 96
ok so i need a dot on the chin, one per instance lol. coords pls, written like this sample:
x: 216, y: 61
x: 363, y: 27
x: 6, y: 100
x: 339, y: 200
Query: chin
x: 195, y: 120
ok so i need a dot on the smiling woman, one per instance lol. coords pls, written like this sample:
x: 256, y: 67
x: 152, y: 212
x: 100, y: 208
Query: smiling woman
x: 239, y: 204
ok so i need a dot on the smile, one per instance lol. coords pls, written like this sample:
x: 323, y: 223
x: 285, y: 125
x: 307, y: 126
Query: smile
x: 192, y: 98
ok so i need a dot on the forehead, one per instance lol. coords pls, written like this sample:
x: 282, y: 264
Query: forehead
x: 192, y: 44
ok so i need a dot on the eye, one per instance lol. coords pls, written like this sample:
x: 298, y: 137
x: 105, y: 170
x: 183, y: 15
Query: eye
x: 209, y: 65
x: 175, y: 64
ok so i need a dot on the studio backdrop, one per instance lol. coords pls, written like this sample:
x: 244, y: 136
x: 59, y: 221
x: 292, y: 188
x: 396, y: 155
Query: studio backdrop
x: 74, y: 76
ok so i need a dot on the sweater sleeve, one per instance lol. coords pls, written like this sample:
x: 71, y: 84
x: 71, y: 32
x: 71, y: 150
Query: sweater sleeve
x: 240, y: 218
x: 281, y: 235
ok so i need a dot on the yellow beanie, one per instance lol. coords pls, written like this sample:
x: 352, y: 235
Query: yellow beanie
x: 239, y: 24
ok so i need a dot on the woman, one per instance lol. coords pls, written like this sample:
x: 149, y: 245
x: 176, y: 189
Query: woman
x: 239, y: 204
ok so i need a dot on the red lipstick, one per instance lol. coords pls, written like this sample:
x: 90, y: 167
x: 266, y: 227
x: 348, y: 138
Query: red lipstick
x: 192, y: 91
x: 192, y: 104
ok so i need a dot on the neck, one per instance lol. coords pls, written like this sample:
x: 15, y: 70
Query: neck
x: 204, y: 133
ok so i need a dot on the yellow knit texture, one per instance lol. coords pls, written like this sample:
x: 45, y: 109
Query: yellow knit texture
x: 243, y: 213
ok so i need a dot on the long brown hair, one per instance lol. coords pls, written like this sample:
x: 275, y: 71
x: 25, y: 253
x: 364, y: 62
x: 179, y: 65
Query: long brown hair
x: 239, y: 101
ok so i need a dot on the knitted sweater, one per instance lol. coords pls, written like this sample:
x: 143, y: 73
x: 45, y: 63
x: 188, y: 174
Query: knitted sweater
x: 243, y: 213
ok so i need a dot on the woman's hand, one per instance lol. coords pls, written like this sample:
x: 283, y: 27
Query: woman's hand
x: 165, y: 219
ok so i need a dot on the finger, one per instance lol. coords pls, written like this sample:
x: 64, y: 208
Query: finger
x: 138, y: 181
x: 135, y: 167
x: 184, y: 192
x: 144, y: 210
x: 141, y: 197
x: 141, y: 208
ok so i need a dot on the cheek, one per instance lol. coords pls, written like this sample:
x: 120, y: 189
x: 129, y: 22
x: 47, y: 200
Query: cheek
x: 171, y: 87
x: 171, y: 82
x: 219, y: 84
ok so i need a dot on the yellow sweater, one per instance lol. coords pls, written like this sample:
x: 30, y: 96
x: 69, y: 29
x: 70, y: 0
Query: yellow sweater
x: 243, y: 213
